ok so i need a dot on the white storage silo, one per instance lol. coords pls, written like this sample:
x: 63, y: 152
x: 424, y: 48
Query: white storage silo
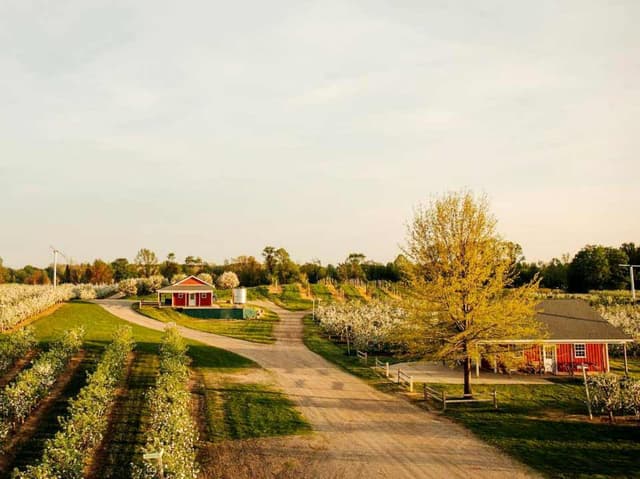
x: 239, y: 295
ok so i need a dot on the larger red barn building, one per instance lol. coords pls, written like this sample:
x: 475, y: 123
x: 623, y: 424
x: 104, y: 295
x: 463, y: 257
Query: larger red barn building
x: 577, y: 337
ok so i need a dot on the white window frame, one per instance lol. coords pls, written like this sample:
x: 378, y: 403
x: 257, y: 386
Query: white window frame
x: 180, y: 295
x: 584, y: 351
x: 203, y: 295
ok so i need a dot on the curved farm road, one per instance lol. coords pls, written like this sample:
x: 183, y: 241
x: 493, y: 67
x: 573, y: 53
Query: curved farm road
x: 364, y: 433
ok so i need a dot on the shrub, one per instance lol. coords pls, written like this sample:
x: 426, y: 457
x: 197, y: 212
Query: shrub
x: 228, y: 280
x: 84, y: 291
x: 128, y: 287
x: 610, y: 394
x: 366, y: 325
x: 171, y: 427
x: 631, y: 396
x: 20, y: 397
x: 206, y: 277
x: 177, y: 277
x: 14, y: 346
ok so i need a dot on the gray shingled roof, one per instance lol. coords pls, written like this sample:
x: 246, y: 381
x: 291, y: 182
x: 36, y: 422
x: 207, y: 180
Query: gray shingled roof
x: 574, y: 319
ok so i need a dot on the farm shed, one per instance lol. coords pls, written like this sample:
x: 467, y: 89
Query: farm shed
x: 191, y: 292
x: 577, y: 337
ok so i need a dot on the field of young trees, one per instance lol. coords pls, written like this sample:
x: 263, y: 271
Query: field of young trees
x: 82, y: 395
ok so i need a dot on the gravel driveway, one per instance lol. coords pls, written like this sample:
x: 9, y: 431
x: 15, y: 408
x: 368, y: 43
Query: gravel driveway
x: 362, y: 432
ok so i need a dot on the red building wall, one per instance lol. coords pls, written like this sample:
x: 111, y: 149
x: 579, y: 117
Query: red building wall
x: 596, y: 357
x: 177, y: 301
x: 533, y: 354
x: 203, y: 299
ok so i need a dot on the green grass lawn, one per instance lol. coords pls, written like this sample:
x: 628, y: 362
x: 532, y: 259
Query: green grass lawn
x: 351, y: 292
x: 289, y: 298
x: 546, y: 427
x: 245, y: 410
x: 256, y: 330
x: 251, y: 410
x: 322, y: 292
x: 617, y: 366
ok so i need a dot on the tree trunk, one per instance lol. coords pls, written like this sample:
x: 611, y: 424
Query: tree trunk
x: 467, y: 377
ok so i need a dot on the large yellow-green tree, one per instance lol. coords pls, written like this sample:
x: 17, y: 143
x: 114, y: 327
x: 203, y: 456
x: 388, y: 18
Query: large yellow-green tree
x: 463, y: 273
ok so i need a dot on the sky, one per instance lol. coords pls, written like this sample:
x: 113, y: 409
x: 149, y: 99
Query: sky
x: 215, y: 128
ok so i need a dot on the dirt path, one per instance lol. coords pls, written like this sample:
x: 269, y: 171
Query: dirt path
x: 17, y: 367
x: 362, y: 432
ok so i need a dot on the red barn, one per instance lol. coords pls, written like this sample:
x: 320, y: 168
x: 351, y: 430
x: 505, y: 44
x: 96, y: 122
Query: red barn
x: 190, y: 292
x: 577, y: 336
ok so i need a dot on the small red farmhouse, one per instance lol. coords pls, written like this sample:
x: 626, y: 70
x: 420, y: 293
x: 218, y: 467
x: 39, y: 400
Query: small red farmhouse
x: 577, y: 336
x: 190, y: 292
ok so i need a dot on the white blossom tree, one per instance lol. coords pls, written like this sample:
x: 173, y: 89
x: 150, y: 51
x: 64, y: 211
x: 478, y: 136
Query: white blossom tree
x: 228, y: 280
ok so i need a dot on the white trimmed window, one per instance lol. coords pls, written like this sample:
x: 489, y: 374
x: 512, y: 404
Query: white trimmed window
x: 180, y: 295
x: 203, y: 295
x: 580, y: 350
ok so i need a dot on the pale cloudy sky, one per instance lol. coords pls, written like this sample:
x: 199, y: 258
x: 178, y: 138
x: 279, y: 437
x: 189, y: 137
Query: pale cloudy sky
x: 216, y: 128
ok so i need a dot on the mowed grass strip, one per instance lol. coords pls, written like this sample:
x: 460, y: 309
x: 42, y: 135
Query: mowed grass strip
x: 255, y: 330
x: 546, y: 427
x: 129, y: 415
x: 250, y: 410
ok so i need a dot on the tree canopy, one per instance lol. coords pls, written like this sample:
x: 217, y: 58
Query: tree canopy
x: 462, y: 269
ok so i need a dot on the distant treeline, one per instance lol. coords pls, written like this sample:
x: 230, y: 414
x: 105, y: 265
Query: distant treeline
x: 594, y: 267
x: 275, y: 266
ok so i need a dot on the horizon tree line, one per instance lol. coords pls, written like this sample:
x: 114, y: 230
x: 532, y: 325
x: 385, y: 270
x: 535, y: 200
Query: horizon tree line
x: 594, y: 267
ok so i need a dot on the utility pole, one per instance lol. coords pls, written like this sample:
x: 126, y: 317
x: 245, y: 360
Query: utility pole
x: 633, y: 284
x: 55, y: 264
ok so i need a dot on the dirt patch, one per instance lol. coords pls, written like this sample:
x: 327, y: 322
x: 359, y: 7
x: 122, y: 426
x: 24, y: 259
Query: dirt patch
x: 95, y: 466
x: 27, y: 429
x: 251, y: 376
x: 16, y: 368
x: 272, y: 458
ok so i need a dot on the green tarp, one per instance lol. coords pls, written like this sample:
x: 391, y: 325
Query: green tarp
x: 221, y: 313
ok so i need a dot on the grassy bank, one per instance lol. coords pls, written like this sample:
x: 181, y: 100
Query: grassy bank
x: 289, y: 297
x: 255, y: 330
x: 546, y: 427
